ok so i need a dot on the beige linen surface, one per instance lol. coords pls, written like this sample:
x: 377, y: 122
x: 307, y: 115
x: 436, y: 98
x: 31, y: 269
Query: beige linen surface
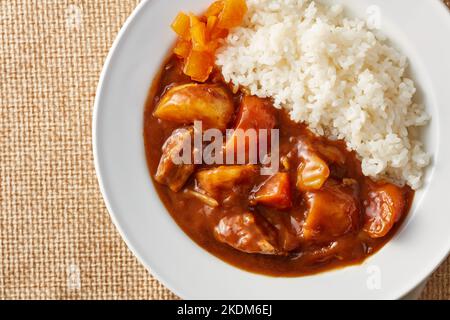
x: 56, y: 238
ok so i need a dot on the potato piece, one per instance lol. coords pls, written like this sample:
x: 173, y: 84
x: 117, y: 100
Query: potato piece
x: 248, y: 233
x: 204, y: 33
x: 312, y: 172
x: 171, y: 174
x: 385, y: 206
x: 232, y: 14
x: 254, y: 113
x: 333, y: 211
x: 224, y: 177
x: 209, y: 103
x: 181, y: 26
x: 275, y: 192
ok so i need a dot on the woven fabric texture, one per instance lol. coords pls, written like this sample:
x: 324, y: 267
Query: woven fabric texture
x: 56, y: 238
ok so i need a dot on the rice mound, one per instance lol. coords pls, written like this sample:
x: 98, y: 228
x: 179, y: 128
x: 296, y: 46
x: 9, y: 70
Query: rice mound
x: 334, y: 74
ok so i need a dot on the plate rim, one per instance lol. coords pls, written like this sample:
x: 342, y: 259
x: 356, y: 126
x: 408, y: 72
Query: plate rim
x: 100, y: 176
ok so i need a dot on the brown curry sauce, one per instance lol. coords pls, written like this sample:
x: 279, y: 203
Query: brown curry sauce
x: 198, y: 220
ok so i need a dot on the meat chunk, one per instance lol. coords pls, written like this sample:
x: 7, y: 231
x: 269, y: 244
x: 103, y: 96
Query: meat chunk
x: 384, y: 207
x: 254, y: 113
x: 333, y: 211
x: 289, y: 230
x: 275, y: 192
x: 212, y: 181
x: 331, y: 153
x: 247, y: 232
x: 209, y: 103
x: 172, y: 171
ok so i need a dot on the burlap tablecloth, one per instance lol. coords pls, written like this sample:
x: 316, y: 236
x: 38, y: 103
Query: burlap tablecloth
x: 56, y: 238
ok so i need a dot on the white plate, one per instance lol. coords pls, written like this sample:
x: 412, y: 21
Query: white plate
x: 421, y: 29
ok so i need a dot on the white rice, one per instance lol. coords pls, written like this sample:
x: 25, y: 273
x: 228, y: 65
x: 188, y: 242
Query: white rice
x: 334, y: 74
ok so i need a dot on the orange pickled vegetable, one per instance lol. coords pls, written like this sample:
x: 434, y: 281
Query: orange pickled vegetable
x: 232, y: 14
x: 211, y: 24
x: 212, y: 46
x: 198, y: 65
x: 182, y: 49
x: 181, y: 25
x: 199, y: 36
x: 218, y: 33
x: 198, y: 33
x: 214, y: 9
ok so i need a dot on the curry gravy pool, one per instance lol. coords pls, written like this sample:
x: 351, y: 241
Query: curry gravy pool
x: 317, y: 213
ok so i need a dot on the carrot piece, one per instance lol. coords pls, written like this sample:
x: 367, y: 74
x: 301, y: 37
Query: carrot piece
x: 275, y: 192
x: 182, y: 48
x: 215, y: 9
x: 385, y: 206
x: 181, y: 26
x: 232, y: 14
x: 254, y: 114
x: 198, y: 65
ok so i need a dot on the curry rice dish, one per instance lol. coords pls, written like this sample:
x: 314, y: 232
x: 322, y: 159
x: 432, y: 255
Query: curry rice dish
x: 328, y: 205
